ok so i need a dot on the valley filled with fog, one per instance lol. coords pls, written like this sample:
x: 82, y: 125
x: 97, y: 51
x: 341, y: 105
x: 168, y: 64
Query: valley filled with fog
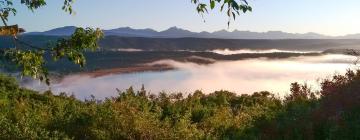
x: 186, y: 63
x: 241, y: 76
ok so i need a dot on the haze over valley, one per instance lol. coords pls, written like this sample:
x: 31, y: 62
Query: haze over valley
x: 177, y: 60
x: 239, y: 76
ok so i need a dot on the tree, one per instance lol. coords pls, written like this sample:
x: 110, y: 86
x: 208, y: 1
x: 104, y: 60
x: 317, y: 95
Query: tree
x: 30, y: 59
x: 234, y: 7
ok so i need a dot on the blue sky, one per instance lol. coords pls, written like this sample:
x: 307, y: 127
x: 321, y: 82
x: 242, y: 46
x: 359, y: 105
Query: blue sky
x: 331, y: 17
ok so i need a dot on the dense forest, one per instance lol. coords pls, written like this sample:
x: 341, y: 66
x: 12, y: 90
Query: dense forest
x: 330, y: 113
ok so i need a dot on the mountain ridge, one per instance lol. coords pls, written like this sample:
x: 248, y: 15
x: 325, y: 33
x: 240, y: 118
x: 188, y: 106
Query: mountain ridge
x: 175, y: 32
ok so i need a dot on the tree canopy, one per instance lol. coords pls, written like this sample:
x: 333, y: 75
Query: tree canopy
x: 331, y: 113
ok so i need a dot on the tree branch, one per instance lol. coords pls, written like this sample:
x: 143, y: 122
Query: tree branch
x: 3, y: 19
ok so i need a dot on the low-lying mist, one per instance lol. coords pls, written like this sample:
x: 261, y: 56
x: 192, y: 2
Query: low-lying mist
x: 228, y: 51
x: 243, y: 51
x: 245, y: 76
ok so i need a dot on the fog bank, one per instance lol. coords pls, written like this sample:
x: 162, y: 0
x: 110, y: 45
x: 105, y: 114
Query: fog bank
x: 245, y: 76
x: 243, y: 51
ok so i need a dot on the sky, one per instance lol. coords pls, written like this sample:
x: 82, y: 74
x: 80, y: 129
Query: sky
x: 329, y: 17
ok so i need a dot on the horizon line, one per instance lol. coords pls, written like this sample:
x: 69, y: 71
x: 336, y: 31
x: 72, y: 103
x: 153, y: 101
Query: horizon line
x: 227, y: 30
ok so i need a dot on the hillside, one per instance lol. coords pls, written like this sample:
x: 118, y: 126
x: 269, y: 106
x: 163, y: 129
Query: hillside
x: 130, y: 52
x: 114, y: 42
x: 198, y: 44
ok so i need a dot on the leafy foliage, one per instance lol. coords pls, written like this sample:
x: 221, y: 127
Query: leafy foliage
x: 29, y: 58
x: 234, y: 7
x: 331, y: 113
x: 80, y: 41
x: 32, y: 61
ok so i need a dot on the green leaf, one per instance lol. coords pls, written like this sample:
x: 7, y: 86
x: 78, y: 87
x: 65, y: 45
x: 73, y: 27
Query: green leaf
x: 212, y: 4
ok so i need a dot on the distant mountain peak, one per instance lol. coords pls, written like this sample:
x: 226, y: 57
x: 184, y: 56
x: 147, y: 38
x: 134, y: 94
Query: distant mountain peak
x: 221, y: 31
x: 312, y: 33
x: 174, y: 28
x: 204, y: 32
x: 61, y: 31
x: 275, y: 32
x: 130, y: 32
x: 176, y: 32
x: 68, y: 27
x: 65, y: 28
x: 129, y: 28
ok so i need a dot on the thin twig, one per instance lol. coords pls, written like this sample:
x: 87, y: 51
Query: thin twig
x: 3, y: 20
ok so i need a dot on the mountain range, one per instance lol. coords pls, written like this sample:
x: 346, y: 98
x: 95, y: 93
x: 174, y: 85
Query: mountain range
x: 175, y: 32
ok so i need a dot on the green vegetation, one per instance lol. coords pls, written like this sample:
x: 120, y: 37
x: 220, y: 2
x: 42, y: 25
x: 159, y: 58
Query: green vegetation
x: 30, y: 58
x: 331, y: 113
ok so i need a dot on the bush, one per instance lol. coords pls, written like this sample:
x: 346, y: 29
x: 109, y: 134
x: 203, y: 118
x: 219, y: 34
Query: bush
x: 331, y: 113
